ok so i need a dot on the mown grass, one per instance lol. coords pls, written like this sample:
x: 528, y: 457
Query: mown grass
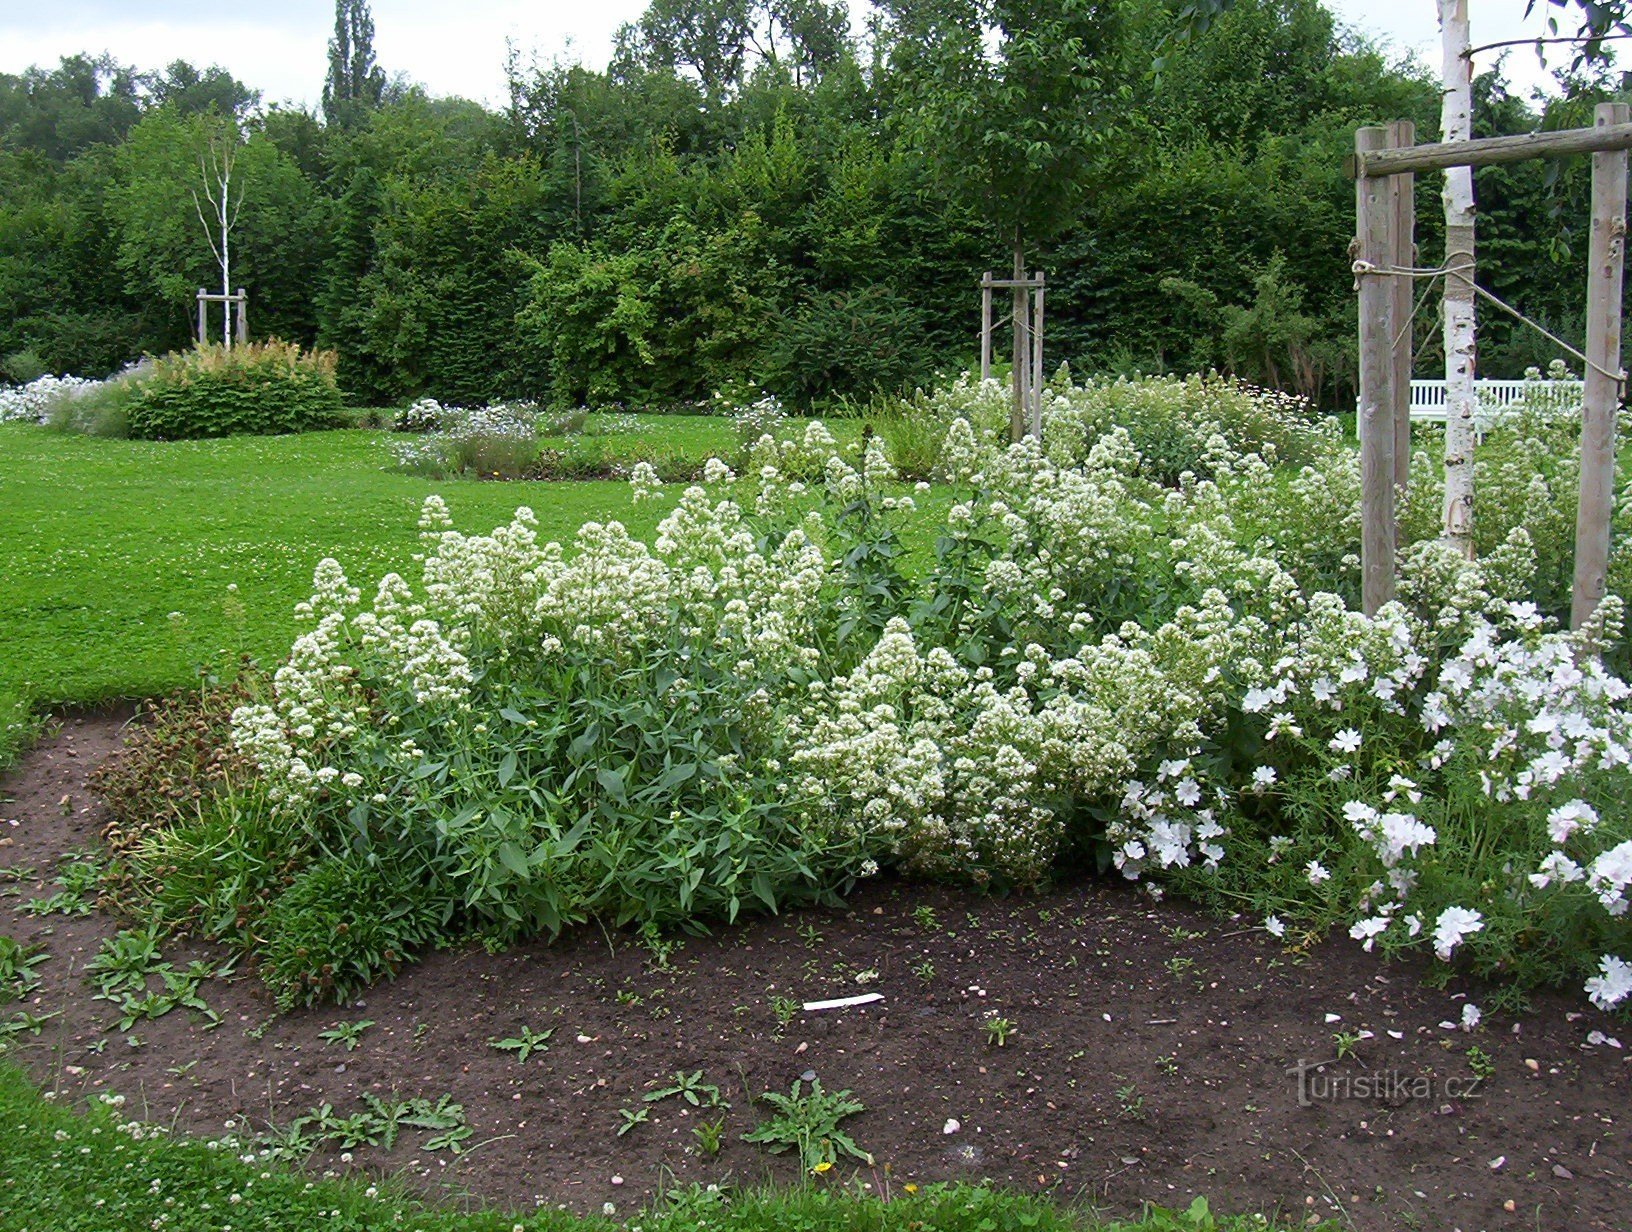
x: 119, y: 555
x: 128, y: 565
x: 63, y: 1170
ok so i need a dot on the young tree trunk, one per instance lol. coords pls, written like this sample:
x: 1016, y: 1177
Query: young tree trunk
x: 1461, y: 402
x: 1017, y: 374
x: 226, y: 267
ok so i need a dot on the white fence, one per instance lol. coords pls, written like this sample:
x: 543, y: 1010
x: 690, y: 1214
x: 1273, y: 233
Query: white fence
x: 1495, y: 398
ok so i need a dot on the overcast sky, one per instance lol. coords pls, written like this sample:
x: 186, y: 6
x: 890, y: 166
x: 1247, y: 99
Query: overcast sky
x: 458, y: 47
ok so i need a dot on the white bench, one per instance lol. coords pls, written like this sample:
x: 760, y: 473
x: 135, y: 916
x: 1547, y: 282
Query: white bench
x: 1496, y: 398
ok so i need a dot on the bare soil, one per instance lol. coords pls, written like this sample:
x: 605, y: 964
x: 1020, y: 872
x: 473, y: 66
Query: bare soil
x: 1149, y: 1058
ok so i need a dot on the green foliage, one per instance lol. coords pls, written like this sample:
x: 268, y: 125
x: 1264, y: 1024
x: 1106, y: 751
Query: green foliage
x: 348, y: 1035
x: 342, y: 924
x: 259, y: 389
x: 809, y: 1123
x: 526, y: 1043
x: 18, y: 976
x: 79, y: 884
x: 215, y: 868
x: 847, y: 343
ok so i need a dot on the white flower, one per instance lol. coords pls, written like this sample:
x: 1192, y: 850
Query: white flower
x: 1346, y: 741
x: 1274, y: 927
x: 1566, y: 819
x: 1316, y: 872
x: 1369, y: 930
x: 1470, y: 1016
x: 1453, y: 926
x: 1609, y: 988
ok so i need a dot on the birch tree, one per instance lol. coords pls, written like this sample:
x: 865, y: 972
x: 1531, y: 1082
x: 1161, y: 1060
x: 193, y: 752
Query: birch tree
x: 217, y: 161
x: 1461, y: 401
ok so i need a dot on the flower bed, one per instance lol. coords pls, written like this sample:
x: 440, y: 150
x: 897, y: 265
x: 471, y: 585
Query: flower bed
x: 1105, y: 662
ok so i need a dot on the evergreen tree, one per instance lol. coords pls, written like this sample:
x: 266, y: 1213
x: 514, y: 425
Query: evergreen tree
x: 355, y: 83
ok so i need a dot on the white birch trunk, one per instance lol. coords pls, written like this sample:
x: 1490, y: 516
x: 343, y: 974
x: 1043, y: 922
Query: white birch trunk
x: 1461, y: 402
x: 226, y: 260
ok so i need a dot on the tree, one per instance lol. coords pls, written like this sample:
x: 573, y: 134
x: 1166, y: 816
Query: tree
x: 192, y: 92
x: 1010, y: 100
x: 355, y: 83
x: 708, y: 37
x: 1461, y: 402
x: 216, y: 162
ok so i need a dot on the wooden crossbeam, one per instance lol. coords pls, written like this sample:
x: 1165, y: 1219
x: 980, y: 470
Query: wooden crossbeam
x: 1488, y: 151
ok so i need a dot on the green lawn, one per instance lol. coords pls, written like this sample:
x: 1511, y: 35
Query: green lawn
x: 104, y: 539
x: 689, y: 434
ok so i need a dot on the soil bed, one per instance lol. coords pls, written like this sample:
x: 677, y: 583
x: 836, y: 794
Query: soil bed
x: 1149, y: 1058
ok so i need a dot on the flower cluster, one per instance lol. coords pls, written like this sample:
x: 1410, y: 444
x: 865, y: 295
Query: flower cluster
x: 32, y: 403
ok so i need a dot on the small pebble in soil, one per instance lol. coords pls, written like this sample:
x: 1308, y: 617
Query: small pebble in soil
x: 952, y: 1126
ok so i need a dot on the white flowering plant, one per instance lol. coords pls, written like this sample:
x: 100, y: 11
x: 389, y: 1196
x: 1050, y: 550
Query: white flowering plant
x: 34, y: 402
x: 1102, y: 660
x: 498, y: 441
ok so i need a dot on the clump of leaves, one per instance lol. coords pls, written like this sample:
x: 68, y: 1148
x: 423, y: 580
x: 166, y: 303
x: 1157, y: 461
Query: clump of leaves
x: 631, y: 1117
x: 78, y: 886
x: 179, y: 751
x: 125, y: 961
x: 378, y: 1123
x: 17, y: 962
x: 526, y: 1043
x: 178, y: 989
x: 998, y: 1031
x: 342, y: 924
x: 710, y: 1136
x: 20, y: 1023
x: 689, y: 1087
x: 347, y: 1034
x: 809, y: 1123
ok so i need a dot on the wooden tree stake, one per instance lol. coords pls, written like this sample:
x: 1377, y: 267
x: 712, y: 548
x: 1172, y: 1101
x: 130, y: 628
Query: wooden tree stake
x: 986, y: 325
x: 1374, y: 218
x: 1601, y: 397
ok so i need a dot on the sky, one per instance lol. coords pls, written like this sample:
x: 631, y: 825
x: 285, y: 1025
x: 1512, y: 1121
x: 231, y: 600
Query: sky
x: 458, y: 47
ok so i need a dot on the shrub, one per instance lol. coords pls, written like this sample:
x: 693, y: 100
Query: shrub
x: 848, y: 343
x: 341, y: 925
x: 24, y: 366
x: 209, y: 391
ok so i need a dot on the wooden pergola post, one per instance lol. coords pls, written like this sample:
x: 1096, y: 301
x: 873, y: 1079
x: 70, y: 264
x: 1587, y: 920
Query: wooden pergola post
x: 242, y: 305
x: 203, y: 317
x: 1602, y: 395
x: 1375, y: 250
